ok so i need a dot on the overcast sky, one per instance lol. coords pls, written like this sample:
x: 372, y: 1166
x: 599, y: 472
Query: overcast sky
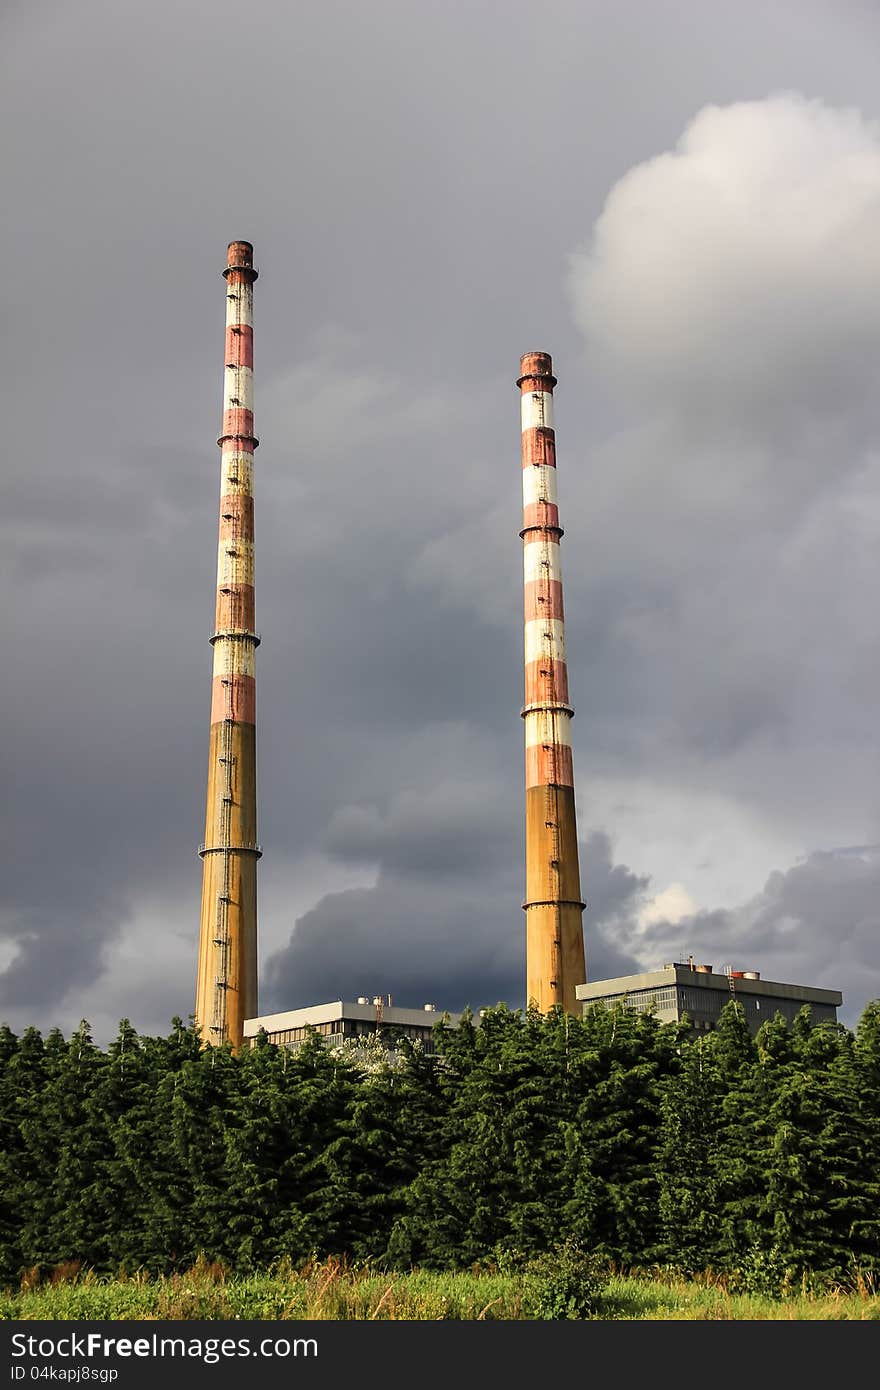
x: 680, y: 201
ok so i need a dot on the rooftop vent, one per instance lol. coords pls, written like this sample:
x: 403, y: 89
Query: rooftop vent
x: 430, y: 1008
x: 362, y: 999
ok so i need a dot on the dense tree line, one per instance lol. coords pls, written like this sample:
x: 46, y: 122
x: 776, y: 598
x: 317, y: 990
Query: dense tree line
x: 617, y: 1131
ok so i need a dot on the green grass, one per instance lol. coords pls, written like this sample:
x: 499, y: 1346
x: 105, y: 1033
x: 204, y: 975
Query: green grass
x: 330, y: 1289
x: 665, y: 1297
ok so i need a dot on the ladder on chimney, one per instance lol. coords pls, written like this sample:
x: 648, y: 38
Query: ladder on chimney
x: 221, y: 917
x: 551, y: 800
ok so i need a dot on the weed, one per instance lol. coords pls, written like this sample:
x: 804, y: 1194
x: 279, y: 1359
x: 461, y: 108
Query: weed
x: 762, y: 1273
x: 565, y: 1282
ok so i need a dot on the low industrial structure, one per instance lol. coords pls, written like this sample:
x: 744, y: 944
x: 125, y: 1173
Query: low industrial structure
x: 679, y: 990
x: 342, y: 1022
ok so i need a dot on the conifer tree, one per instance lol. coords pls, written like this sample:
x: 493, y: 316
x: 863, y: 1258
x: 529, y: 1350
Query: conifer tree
x: 202, y: 1097
x: 292, y: 1110
x: 322, y: 1089
x: 818, y: 1191
x: 865, y: 1081
x: 81, y: 1220
x: 38, y: 1144
x: 395, y: 1124
x: 689, y: 1202
x: 149, y: 1146
x: 13, y: 1098
x: 625, y: 1058
x: 122, y: 1105
x: 459, y: 1206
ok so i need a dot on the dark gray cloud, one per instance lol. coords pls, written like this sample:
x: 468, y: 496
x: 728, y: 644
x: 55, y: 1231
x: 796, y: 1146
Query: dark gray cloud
x: 820, y: 916
x: 443, y: 923
x: 416, y: 180
x: 615, y: 892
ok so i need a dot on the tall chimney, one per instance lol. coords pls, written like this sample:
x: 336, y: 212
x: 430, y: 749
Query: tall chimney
x: 553, y: 907
x: 226, y: 989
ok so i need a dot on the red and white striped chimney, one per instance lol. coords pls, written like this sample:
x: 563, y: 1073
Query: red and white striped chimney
x: 226, y: 990
x: 553, y: 906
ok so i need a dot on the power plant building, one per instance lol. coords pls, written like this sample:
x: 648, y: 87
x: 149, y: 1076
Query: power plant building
x: 350, y: 1022
x: 677, y: 990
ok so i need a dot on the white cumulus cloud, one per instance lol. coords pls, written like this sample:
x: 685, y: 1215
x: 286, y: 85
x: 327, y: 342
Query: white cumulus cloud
x: 742, y: 266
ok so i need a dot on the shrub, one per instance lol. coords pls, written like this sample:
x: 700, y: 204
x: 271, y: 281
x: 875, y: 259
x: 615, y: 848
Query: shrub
x: 566, y: 1282
x: 762, y: 1273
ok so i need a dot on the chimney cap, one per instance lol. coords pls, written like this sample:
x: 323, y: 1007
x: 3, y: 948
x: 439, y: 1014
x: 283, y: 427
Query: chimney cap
x: 536, y: 364
x: 240, y: 252
x: 240, y: 256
